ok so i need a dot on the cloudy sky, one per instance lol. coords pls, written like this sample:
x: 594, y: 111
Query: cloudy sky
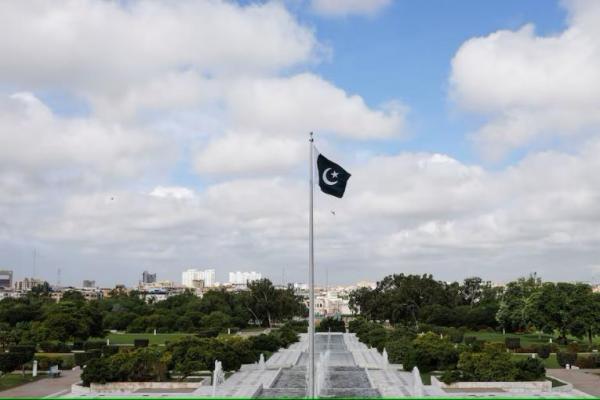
x: 163, y: 135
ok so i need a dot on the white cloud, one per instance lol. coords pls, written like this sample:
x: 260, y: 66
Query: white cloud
x: 348, y: 7
x: 247, y: 154
x: 529, y: 85
x: 96, y: 43
x: 34, y: 140
x: 305, y: 102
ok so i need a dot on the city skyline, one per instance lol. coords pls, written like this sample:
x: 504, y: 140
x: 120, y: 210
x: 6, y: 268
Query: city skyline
x: 469, y: 128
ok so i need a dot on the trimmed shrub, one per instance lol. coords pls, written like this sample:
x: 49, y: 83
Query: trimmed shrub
x: 8, y: 362
x: 469, y: 340
x: 564, y: 358
x: 45, y: 362
x: 263, y: 343
x: 298, y: 326
x: 78, y: 345
x: 54, y: 347
x: 512, y: 343
x: 588, y: 361
x: 530, y: 369
x: 397, y: 349
x: 96, y: 371
x: 543, y: 351
x: 80, y: 358
x: 331, y: 324
x: 429, y: 352
x: 92, y: 345
x: 108, y: 351
x: 141, y: 342
x: 208, y: 333
x: 492, y: 364
x: 94, y: 353
x: 456, y: 335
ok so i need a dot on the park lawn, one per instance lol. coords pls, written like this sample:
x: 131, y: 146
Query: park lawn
x: 549, y: 362
x: 527, y: 339
x: 11, y: 380
x: 159, y: 338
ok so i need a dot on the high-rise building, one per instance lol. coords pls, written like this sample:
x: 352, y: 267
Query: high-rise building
x: 192, y: 277
x: 27, y: 284
x: 6, y: 279
x: 89, y: 284
x: 242, y: 278
x: 147, y: 277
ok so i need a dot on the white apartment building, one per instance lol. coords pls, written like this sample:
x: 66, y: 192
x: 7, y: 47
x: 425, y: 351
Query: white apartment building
x: 192, y: 278
x: 242, y: 278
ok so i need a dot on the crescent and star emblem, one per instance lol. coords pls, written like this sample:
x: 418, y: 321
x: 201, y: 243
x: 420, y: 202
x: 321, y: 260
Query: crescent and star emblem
x: 334, y: 175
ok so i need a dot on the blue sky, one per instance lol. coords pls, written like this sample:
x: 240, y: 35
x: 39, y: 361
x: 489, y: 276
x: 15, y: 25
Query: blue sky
x: 165, y: 135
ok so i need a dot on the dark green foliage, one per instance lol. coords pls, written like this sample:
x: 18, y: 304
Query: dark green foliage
x: 469, y: 340
x: 588, y: 361
x: 264, y: 343
x: 415, y: 299
x: 9, y: 362
x: 397, y: 349
x: 530, y: 369
x: 492, y: 364
x: 512, y: 343
x: 331, y: 325
x: 91, y: 345
x: 141, y: 342
x: 565, y: 358
x: 109, y: 350
x: 429, y: 352
x: 300, y: 326
x: 97, y: 370
x: 80, y: 358
x: 543, y: 351
x: 54, y: 347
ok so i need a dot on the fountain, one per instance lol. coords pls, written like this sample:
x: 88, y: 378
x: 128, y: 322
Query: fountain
x: 261, y: 362
x: 218, y: 377
x: 385, y: 360
x: 417, y: 383
x: 321, y: 371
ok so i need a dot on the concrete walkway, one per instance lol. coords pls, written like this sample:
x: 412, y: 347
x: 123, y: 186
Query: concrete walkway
x: 46, y: 386
x: 586, y: 380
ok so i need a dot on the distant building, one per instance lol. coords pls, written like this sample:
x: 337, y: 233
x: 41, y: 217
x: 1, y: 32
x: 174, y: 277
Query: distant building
x: 194, y: 278
x: 27, y: 284
x: 89, y: 284
x: 147, y: 278
x: 242, y: 278
x: 6, y: 279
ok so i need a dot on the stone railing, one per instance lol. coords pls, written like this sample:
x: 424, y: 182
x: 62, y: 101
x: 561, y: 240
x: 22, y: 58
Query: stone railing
x: 131, y: 386
x: 514, y: 387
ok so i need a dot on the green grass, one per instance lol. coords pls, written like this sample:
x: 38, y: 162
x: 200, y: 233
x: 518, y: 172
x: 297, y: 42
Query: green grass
x: 128, y: 338
x: 527, y: 339
x: 15, y: 379
x: 555, y: 382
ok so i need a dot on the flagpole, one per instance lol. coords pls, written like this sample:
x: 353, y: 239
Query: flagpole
x: 311, y: 281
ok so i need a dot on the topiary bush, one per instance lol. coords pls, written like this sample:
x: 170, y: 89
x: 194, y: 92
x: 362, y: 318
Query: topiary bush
x: 109, y: 350
x: 93, y: 344
x: 564, y: 358
x: 543, y: 351
x: 54, y: 347
x: 141, y: 342
x: 80, y: 358
x: 331, y: 325
x: 588, y: 361
x: 512, y: 343
x: 530, y: 369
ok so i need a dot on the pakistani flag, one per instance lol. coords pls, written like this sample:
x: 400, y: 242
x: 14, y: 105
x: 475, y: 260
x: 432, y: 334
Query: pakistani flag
x: 332, y: 177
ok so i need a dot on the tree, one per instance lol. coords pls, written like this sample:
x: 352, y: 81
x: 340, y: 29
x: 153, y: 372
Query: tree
x: 331, y: 325
x: 512, y: 303
x: 492, y: 364
x: 430, y: 352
